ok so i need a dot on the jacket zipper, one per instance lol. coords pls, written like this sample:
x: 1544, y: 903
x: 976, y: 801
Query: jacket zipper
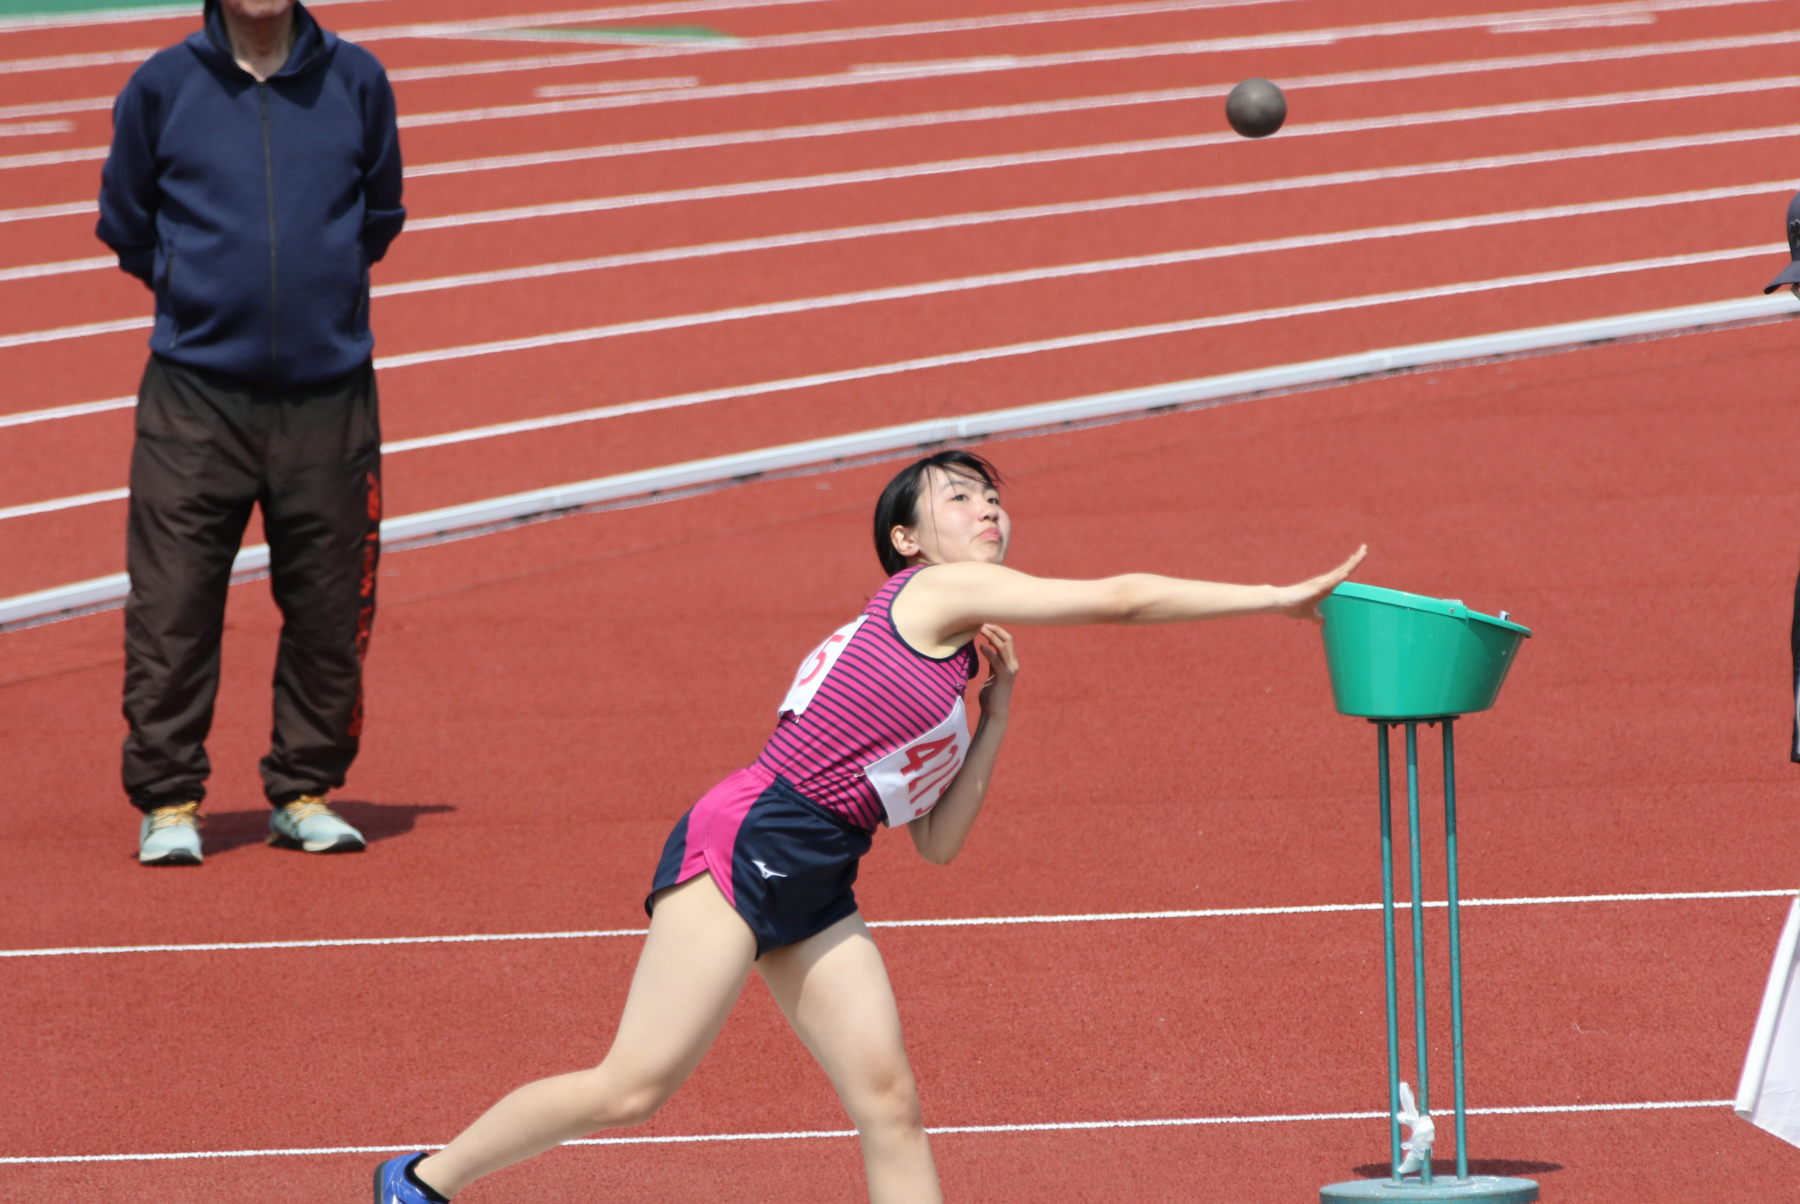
x: 274, y: 284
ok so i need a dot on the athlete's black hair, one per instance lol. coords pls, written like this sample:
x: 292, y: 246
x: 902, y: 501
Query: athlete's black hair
x: 898, y: 505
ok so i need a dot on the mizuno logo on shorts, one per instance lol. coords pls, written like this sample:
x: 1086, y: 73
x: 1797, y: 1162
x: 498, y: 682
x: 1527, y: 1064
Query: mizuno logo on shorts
x: 766, y: 871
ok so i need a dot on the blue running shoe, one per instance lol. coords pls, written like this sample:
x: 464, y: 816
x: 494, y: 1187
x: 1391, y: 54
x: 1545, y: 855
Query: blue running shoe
x: 393, y: 1187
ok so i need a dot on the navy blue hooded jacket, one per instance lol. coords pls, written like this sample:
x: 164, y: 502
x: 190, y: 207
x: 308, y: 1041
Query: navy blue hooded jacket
x: 255, y: 209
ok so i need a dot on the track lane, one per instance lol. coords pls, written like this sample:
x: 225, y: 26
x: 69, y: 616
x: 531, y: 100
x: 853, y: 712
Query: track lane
x: 1573, y: 485
x: 49, y: 549
x: 1086, y: 1036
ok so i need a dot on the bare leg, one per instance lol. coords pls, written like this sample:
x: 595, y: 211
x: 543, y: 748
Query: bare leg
x: 690, y: 974
x: 834, y: 990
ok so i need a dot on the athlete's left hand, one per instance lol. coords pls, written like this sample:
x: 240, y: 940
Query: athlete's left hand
x: 1302, y: 601
x: 1003, y: 666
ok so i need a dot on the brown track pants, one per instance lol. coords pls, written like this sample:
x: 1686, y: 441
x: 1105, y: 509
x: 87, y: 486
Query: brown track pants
x: 208, y: 448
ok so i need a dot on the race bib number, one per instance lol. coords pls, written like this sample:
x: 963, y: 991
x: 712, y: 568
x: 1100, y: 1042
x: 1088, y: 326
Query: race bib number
x: 817, y: 667
x: 911, y: 780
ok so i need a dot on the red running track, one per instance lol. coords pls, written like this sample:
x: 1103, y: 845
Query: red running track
x: 518, y: 787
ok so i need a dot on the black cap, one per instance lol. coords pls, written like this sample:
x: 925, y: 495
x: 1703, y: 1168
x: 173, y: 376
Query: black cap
x: 1790, y: 274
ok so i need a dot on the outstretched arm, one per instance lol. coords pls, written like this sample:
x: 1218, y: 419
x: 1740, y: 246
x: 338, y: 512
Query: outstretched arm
x: 953, y: 600
x: 940, y: 832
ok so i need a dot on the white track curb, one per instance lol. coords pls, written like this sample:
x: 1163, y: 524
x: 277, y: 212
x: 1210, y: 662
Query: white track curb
x: 81, y: 597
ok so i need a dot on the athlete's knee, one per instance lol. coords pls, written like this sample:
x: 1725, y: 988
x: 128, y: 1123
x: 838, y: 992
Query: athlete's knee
x: 887, y: 1102
x: 610, y: 1103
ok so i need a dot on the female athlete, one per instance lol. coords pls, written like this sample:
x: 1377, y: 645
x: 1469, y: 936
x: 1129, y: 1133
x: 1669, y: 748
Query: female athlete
x: 758, y: 873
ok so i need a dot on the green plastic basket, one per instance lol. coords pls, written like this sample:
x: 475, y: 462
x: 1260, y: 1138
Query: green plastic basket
x: 1395, y: 655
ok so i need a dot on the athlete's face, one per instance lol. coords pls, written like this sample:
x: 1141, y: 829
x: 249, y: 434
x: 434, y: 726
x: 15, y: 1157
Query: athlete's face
x: 960, y: 518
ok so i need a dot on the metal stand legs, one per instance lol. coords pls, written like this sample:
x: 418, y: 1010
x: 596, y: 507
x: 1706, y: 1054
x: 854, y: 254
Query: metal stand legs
x: 1485, y: 1188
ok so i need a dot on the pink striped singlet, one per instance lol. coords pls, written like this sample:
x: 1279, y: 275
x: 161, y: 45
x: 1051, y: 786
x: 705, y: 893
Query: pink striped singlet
x: 873, y: 729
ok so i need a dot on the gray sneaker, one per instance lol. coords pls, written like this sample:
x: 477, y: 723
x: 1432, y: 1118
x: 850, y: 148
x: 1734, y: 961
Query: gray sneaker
x: 310, y: 824
x: 170, y: 836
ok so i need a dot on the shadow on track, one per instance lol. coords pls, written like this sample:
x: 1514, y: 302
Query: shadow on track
x: 1445, y: 1168
x: 224, y: 831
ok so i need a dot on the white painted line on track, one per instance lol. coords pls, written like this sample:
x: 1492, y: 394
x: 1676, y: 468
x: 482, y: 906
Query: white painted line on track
x: 876, y: 73
x: 86, y: 330
x: 673, y: 481
x: 1248, y: 188
x: 65, y: 503
x: 1314, y: 37
x: 609, y: 87
x: 907, y: 292
x: 35, y: 212
x: 919, y: 225
x: 64, y: 62
x: 56, y: 108
x: 27, y: 129
x: 65, y: 267
x: 1025, y: 158
x: 1070, y: 1126
x: 70, y: 62
x: 78, y: 410
x: 1000, y: 279
x: 1031, y: 109
x: 1113, y: 917
x: 114, y: 16
x: 992, y: 217
x: 954, y: 358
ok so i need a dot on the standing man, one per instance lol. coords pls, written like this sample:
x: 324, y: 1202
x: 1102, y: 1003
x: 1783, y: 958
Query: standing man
x: 253, y: 178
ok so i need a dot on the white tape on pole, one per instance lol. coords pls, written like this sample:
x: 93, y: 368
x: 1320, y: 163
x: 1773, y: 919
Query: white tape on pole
x: 100, y: 592
x: 1768, y: 1094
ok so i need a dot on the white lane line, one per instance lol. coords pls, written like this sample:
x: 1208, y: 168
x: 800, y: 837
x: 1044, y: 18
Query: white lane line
x: 56, y: 108
x: 1111, y: 917
x: 35, y: 212
x: 114, y: 16
x: 1315, y: 37
x: 1032, y: 212
x: 1056, y: 155
x: 672, y: 481
x: 1361, y: 176
x: 24, y: 129
x: 878, y: 73
x: 69, y: 62
x: 996, y: 21
x: 63, y: 62
x: 63, y: 268
x: 609, y: 87
x: 78, y: 410
x: 917, y: 225
x: 1068, y: 1126
x: 1082, y: 104
x: 999, y: 279
x: 86, y: 330
x: 65, y: 503
x: 1068, y: 342
x: 925, y: 289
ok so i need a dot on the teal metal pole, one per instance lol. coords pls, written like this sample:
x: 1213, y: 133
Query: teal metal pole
x: 1456, y: 998
x: 1417, y: 888
x: 1387, y: 927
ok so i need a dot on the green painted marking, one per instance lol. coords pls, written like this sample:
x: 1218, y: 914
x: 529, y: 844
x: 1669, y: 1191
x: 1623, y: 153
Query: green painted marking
x: 66, y: 8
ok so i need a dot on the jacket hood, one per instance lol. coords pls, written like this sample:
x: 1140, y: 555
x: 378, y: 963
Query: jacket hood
x: 312, y: 44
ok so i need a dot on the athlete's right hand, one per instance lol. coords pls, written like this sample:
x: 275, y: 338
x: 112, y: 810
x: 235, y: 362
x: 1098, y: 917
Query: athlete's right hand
x: 1003, y: 666
x: 1302, y: 601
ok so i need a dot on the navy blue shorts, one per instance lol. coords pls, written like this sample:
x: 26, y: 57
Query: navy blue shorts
x: 784, y: 862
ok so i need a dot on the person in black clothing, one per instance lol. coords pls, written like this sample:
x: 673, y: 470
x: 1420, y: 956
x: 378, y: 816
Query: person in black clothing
x: 254, y: 176
x: 1790, y: 280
